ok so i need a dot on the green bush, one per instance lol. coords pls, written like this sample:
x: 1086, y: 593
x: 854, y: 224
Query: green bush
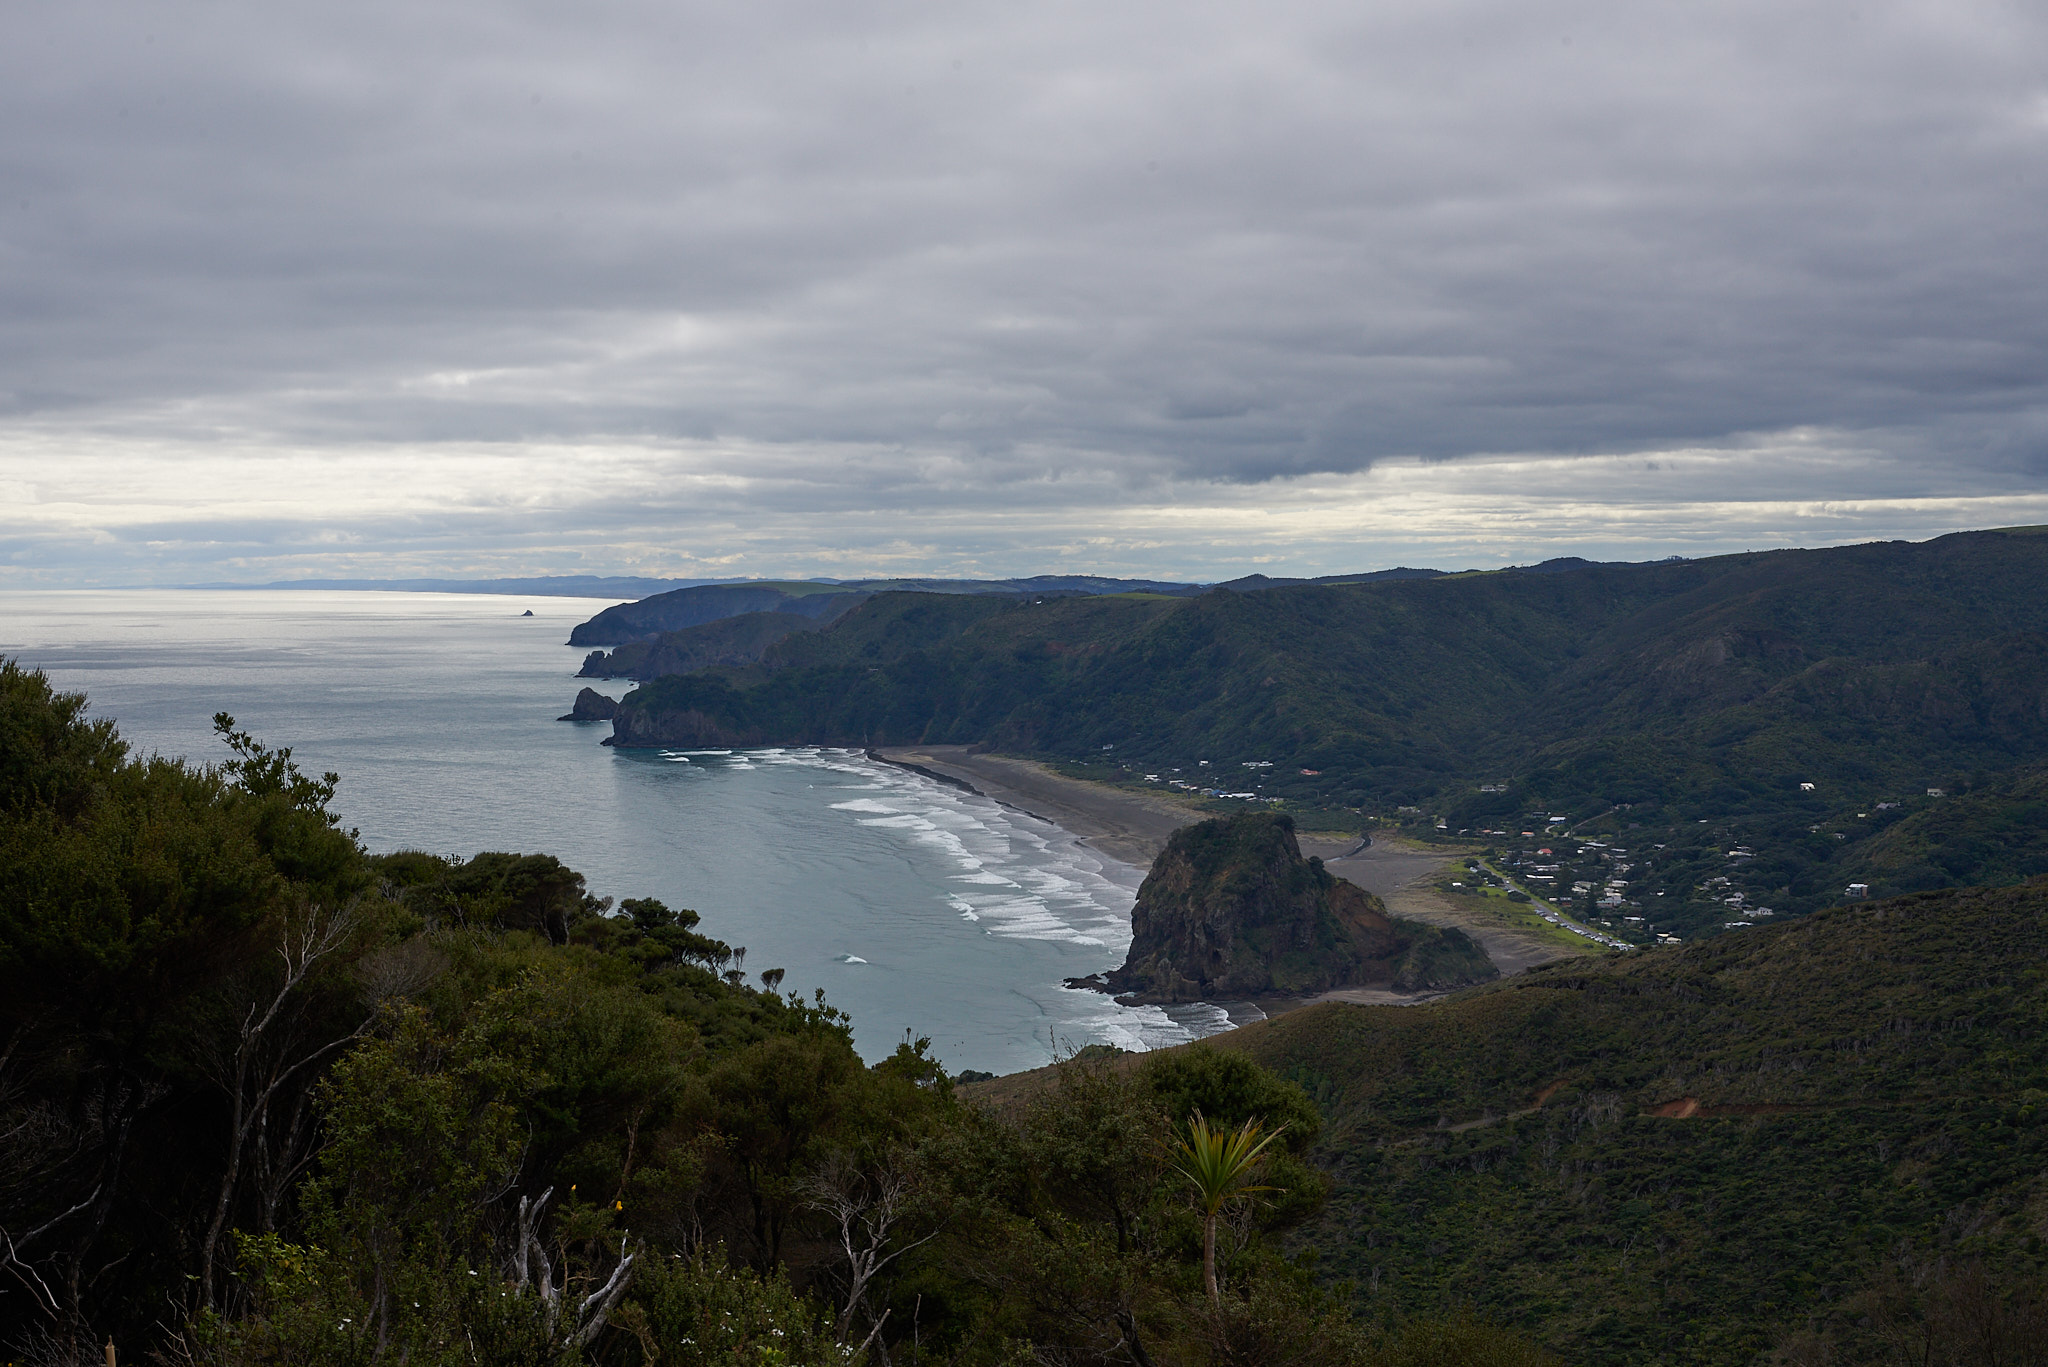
x: 702, y: 1312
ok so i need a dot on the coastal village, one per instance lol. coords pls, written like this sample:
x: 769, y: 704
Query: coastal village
x: 1690, y: 883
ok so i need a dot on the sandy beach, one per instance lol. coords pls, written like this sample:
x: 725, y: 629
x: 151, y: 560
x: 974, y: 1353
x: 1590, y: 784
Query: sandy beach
x: 1133, y: 828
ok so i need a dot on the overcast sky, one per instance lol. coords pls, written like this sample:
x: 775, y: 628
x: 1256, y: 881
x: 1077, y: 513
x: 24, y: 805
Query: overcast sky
x: 840, y: 287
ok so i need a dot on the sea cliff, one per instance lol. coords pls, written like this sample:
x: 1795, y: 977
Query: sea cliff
x: 644, y: 720
x: 591, y: 705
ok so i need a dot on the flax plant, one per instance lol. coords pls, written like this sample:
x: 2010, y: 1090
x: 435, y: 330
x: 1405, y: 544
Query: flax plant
x: 1220, y: 1164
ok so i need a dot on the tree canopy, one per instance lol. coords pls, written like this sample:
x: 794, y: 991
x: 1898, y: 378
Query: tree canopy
x: 267, y: 1098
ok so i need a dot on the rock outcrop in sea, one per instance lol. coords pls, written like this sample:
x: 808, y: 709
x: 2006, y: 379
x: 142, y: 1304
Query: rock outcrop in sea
x: 1231, y: 909
x: 591, y: 705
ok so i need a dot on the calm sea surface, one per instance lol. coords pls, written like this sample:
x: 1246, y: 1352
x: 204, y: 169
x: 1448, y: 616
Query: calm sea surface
x: 914, y: 905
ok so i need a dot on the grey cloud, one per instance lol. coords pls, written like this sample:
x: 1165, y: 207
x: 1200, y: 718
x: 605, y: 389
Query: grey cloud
x: 658, y: 515
x: 1145, y: 241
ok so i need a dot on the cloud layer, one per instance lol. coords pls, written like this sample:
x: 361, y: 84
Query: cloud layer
x: 637, y: 286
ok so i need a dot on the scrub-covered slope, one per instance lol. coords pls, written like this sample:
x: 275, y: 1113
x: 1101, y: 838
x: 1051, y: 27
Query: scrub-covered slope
x: 1679, y: 1155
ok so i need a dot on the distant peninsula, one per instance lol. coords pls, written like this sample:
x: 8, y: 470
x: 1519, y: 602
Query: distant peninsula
x: 821, y: 601
x: 549, y: 585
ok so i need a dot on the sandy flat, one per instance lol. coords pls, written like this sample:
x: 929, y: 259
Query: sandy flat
x: 1511, y: 948
x: 1401, y: 875
x: 1382, y: 868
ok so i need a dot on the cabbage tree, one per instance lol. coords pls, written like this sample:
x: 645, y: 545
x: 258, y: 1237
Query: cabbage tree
x: 1221, y: 1165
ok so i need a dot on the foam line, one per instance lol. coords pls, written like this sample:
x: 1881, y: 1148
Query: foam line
x: 1014, y: 877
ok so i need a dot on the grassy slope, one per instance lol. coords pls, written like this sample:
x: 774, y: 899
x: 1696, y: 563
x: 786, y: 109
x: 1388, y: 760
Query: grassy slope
x: 1870, y: 1078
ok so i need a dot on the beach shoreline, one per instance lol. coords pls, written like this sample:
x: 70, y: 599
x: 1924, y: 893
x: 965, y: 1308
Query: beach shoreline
x: 1132, y: 828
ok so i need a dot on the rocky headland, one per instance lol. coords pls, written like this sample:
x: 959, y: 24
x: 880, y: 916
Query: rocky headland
x: 680, y: 724
x: 591, y: 705
x: 703, y: 603
x: 1231, y: 909
x: 737, y: 640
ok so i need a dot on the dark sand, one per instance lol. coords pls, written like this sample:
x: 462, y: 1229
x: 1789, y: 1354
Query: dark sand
x: 1131, y: 828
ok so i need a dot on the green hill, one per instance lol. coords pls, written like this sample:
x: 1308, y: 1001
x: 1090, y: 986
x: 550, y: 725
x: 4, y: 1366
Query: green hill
x: 1997, y: 834
x: 702, y: 603
x: 1660, y: 695
x: 680, y: 609
x: 1867, y: 665
x: 741, y: 639
x: 1682, y: 1156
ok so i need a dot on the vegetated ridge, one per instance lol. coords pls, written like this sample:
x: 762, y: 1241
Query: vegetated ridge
x: 1692, y: 1155
x: 679, y: 608
x: 1665, y: 695
x: 648, y: 618
x: 664, y: 633
x: 736, y: 640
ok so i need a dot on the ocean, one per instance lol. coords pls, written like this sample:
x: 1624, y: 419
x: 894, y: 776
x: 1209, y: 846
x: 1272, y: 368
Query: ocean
x: 916, y: 906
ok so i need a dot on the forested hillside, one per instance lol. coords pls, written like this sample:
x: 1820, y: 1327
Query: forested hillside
x: 1678, y: 693
x: 266, y: 1099
x: 1599, y: 681
x: 1829, y: 1136
x: 680, y: 609
x: 739, y: 639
